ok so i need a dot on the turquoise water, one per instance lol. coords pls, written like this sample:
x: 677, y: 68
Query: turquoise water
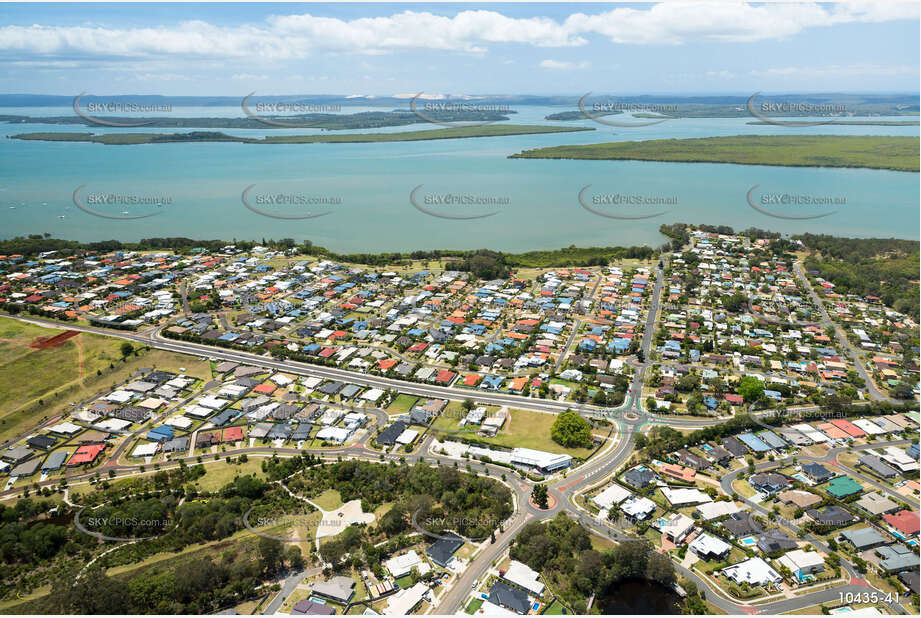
x: 538, y: 204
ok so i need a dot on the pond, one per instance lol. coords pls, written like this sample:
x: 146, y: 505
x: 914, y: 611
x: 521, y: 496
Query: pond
x: 638, y: 597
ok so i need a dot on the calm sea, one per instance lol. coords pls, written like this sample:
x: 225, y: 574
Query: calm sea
x: 364, y: 189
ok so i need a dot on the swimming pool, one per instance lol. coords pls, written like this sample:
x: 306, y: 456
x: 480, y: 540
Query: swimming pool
x: 748, y: 541
x: 707, y: 447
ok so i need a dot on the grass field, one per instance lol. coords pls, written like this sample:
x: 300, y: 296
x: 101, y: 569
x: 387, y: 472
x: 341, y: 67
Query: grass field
x: 217, y: 475
x: 878, y: 152
x: 523, y: 428
x: 328, y: 500
x: 28, y: 394
x: 126, y: 139
x: 402, y: 404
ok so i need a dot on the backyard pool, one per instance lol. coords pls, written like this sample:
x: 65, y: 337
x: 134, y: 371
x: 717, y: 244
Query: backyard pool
x: 748, y: 541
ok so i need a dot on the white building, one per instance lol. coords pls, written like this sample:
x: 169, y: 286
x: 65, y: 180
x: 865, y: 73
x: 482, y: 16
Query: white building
x: 754, y: 571
x: 523, y: 576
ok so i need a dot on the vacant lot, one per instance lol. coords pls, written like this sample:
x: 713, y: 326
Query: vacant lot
x: 39, y: 383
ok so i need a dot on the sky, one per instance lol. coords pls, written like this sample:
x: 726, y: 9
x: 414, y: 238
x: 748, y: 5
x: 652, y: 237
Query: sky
x: 458, y: 48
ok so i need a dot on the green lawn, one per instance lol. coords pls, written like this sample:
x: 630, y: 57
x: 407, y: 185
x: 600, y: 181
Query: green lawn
x: 402, y: 404
x: 217, y: 475
x: 523, y: 428
x: 473, y: 606
x: 556, y: 609
x: 328, y: 500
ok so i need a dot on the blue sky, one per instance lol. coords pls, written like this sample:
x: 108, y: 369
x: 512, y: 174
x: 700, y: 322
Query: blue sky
x: 460, y: 48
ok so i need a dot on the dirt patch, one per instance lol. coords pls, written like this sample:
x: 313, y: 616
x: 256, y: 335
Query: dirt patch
x: 42, y: 343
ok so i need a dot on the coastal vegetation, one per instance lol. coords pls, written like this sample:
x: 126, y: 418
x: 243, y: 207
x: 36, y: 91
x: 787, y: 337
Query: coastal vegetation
x: 877, y: 152
x: 128, y: 139
x: 883, y: 267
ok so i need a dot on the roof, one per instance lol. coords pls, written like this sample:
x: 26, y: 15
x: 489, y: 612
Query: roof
x: 524, y: 576
x: 507, y: 596
x: 864, y: 538
x: 441, y: 550
x: 904, y: 521
x: 842, y: 486
x: 707, y: 545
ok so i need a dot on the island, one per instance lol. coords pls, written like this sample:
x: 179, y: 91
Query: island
x: 867, y: 151
x: 125, y: 139
x: 358, y: 120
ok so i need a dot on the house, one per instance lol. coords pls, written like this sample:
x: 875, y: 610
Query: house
x: 509, y: 597
x: 406, y: 600
x: 754, y: 572
x: 896, y: 558
x: 26, y: 468
x: 904, y: 522
x: 41, y: 442
x: 677, y: 527
x: 734, y: 446
x: 612, y: 495
x: 831, y: 516
x: 714, y: 510
x: 843, y: 486
x: 877, y: 466
x: 638, y: 508
x: 521, y: 575
x: 816, y: 472
x: 768, y: 483
x: 639, y: 477
x: 912, y: 580
x: 55, y: 461
x: 339, y: 589
x: 17, y: 454
x: 685, y: 496
x: 709, y: 547
x: 876, y: 504
x: 802, y: 563
x: 443, y: 549
x: 388, y: 436
x: 741, y: 525
x: 401, y: 565
x: 798, y: 497
x: 864, y: 538
x: 775, y: 541
x: 691, y: 460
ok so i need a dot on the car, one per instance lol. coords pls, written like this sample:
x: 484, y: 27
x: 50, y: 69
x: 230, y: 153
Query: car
x: 475, y: 582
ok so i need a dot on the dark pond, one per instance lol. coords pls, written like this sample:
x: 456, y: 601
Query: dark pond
x: 638, y: 597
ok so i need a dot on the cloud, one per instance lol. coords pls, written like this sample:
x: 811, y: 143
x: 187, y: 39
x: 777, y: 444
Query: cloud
x: 853, y: 70
x: 305, y: 35
x: 556, y: 64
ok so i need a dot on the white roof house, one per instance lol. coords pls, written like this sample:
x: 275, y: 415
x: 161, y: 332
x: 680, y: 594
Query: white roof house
x: 407, y: 437
x: 65, y: 428
x: 119, y: 396
x: 399, y: 566
x: 685, y: 495
x: 146, y: 450
x: 677, y: 527
x: 334, y: 434
x: 113, y: 425
x: 707, y: 545
x: 523, y: 576
x: 712, y: 510
x: 372, y: 395
x: 802, y: 562
x: 754, y: 571
x: 615, y: 494
x: 406, y: 600
x: 638, y: 508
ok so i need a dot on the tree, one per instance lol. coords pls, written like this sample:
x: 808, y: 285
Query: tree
x: 126, y: 349
x: 294, y: 558
x: 571, y: 430
x: 751, y: 389
x: 270, y: 554
x: 540, y: 496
